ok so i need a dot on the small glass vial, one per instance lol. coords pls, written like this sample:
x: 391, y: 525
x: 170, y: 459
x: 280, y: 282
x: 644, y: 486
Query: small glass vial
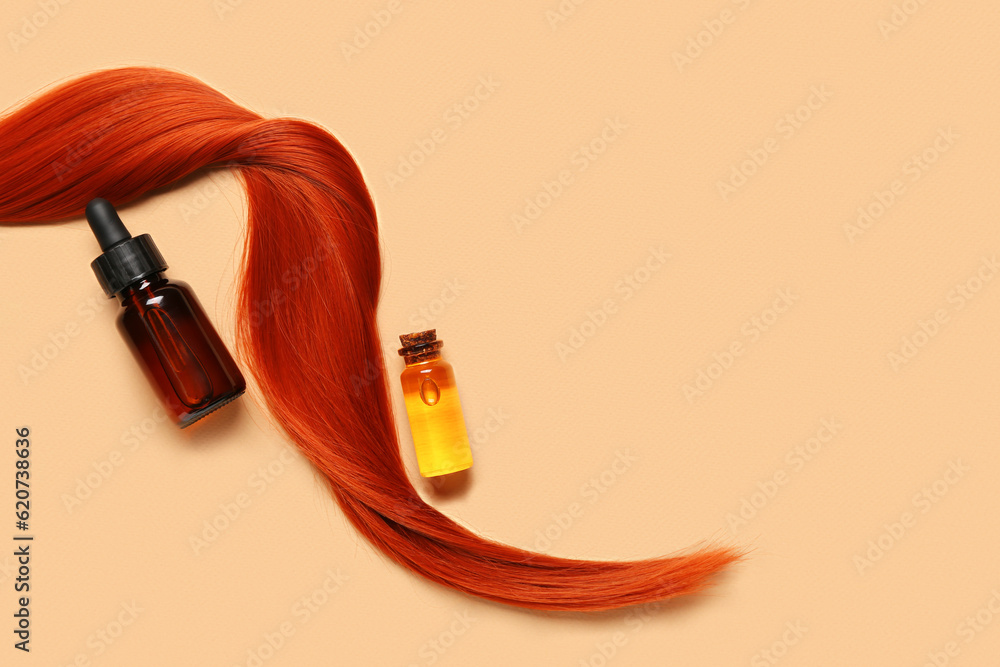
x: 432, y: 404
x: 170, y: 335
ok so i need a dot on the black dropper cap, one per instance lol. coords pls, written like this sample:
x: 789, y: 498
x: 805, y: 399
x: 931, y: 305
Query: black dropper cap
x: 125, y: 260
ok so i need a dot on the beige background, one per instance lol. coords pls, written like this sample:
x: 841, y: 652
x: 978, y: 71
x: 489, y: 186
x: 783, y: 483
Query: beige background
x: 807, y: 596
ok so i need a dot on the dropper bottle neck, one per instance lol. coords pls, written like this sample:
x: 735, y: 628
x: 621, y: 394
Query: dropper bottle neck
x: 125, y: 261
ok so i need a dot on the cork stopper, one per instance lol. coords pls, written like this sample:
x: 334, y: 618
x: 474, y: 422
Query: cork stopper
x: 420, y: 346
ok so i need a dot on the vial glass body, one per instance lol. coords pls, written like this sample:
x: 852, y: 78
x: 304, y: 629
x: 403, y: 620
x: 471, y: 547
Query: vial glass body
x: 178, y: 348
x: 436, y: 420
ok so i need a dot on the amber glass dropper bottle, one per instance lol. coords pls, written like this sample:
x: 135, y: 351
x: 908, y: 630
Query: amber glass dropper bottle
x: 167, y: 329
x: 432, y: 404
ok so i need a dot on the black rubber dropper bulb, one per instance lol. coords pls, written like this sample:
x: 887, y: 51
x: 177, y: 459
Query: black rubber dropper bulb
x: 105, y: 223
